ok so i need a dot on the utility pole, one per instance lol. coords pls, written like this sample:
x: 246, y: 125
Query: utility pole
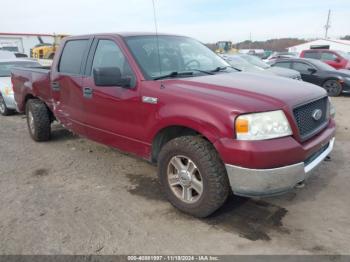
x: 327, y: 26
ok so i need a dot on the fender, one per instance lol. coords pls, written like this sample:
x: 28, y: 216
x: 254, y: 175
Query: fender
x: 208, y: 123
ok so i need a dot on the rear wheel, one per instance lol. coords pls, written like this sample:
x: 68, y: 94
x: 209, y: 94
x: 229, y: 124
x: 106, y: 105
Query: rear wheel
x: 38, y: 120
x: 333, y: 87
x: 193, y: 176
x: 3, y: 108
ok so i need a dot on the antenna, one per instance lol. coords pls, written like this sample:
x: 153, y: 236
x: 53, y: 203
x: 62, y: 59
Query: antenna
x: 327, y: 26
x: 156, y: 28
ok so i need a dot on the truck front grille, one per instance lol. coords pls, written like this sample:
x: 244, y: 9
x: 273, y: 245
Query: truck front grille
x: 309, y: 122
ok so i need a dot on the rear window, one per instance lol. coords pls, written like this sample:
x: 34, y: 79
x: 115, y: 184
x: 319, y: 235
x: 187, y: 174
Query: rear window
x: 72, y: 56
x: 313, y: 55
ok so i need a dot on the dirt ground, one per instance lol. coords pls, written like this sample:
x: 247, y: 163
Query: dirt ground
x: 73, y: 196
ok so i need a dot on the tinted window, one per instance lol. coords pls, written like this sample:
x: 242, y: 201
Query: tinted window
x: 72, y: 56
x: 314, y: 55
x: 328, y: 56
x: 283, y: 64
x: 301, y: 66
x: 108, y: 54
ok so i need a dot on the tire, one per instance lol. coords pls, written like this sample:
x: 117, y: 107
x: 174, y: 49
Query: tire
x: 210, y: 172
x: 3, y: 108
x: 38, y: 120
x: 333, y: 87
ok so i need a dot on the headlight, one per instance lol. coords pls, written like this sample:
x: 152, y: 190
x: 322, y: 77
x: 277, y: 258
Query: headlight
x: 262, y: 126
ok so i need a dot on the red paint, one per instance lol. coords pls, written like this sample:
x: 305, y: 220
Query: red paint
x: 117, y: 116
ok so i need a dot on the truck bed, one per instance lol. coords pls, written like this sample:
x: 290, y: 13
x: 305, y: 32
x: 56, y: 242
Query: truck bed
x: 30, y: 81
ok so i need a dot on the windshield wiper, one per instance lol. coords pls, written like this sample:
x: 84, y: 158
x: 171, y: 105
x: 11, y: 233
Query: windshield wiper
x: 174, y: 74
x: 224, y: 68
x: 203, y: 71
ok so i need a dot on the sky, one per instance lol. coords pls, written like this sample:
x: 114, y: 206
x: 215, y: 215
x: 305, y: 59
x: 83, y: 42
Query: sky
x: 206, y: 20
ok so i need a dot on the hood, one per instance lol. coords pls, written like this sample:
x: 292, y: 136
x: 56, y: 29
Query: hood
x: 5, y: 82
x: 285, y: 72
x: 246, y: 91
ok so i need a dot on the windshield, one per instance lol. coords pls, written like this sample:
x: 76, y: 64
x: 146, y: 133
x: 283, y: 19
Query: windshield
x: 255, y: 61
x: 5, y: 67
x: 176, y: 54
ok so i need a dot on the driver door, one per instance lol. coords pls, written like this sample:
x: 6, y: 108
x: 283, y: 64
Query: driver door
x: 113, y: 112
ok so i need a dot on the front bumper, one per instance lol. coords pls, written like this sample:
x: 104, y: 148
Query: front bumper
x: 268, y: 182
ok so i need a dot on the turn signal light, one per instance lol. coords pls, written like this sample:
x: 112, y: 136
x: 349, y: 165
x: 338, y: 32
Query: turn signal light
x: 242, y: 126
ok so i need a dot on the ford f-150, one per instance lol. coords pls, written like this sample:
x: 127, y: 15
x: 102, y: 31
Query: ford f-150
x: 168, y: 99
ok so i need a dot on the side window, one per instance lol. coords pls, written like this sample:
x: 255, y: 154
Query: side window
x: 326, y: 56
x: 108, y: 54
x: 313, y: 55
x: 283, y: 64
x: 301, y: 66
x: 72, y: 56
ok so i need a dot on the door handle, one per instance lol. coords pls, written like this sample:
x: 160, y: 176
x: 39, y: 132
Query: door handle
x: 55, y: 86
x: 87, y: 92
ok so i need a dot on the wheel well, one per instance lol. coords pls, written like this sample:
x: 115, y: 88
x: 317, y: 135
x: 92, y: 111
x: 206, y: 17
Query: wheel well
x: 330, y: 78
x: 30, y: 96
x: 167, y: 134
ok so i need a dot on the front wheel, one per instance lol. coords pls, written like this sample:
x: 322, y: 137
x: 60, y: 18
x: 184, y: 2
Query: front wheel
x: 38, y: 120
x: 333, y: 87
x: 193, y: 176
x: 3, y: 108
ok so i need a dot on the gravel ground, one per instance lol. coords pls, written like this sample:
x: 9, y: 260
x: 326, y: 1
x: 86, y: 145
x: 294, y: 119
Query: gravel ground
x: 73, y: 196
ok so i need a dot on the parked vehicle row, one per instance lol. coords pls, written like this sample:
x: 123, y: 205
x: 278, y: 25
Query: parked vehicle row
x: 249, y: 63
x: 210, y: 128
x: 316, y: 72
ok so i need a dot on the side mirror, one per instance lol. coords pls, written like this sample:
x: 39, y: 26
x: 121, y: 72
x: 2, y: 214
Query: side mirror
x: 312, y: 70
x: 337, y: 60
x: 110, y: 76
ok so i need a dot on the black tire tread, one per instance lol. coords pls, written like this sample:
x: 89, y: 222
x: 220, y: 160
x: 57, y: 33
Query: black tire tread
x: 42, y: 121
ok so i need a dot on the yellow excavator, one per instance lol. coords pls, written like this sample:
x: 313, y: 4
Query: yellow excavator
x: 46, y: 50
x: 225, y: 47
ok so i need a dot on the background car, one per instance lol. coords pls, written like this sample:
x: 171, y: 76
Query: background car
x: 315, y: 71
x: 336, y: 59
x: 7, y: 101
x: 253, y: 64
x: 278, y: 55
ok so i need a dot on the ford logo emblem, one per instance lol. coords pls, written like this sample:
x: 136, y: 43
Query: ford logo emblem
x: 317, y: 114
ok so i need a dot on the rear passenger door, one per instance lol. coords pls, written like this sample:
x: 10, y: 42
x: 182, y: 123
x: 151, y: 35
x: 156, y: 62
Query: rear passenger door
x: 66, y: 84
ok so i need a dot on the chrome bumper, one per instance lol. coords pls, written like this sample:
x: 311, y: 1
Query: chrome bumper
x: 268, y: 182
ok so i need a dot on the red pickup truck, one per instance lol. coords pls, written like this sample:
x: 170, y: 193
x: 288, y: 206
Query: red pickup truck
x: 169, y: 99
